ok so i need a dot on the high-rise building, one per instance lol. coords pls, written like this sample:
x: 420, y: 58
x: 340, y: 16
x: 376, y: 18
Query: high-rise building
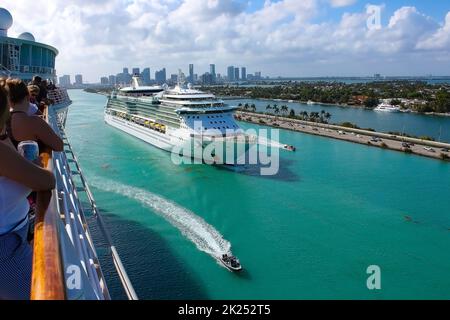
x: 230, y: 73
x: 160, y: 76
x: 104, y: 80
x: 258, y: 75
x: 145, y: 75
x: 206, y: 78
x: 136, y: 71
x: 236, y: 74
x: 112, y: 80
x: 212, y: 72
x: 78, y: 79
x: 64, y: 81
x: 244, y: 73
x: 173, y: 78
x: 191, y: 73
x: 125, y: 71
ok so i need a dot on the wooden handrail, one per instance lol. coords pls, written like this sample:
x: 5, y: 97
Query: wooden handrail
x: 47, y: 281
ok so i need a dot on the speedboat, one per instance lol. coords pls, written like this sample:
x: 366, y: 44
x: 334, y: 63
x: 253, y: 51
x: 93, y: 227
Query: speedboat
x: 230, y: 262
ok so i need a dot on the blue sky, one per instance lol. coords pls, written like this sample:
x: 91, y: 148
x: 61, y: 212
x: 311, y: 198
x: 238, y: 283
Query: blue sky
x: 434, y: 8
x: 279, y: 37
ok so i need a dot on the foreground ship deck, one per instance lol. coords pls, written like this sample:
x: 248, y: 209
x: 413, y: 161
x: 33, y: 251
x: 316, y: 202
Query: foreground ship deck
x: 65, y: 262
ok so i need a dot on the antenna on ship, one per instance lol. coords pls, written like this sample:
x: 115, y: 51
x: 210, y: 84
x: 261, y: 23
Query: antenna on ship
x: 181, y: 78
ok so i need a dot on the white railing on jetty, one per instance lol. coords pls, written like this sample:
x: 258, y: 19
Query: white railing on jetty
x: 63, y: 229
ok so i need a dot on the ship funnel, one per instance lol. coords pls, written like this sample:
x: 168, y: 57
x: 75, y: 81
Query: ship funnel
x: 136, y: 81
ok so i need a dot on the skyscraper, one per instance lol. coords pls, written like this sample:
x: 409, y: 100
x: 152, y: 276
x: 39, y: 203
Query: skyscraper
x: 191, y: 73
x: 112, y: 80
x: 244, y: 73
x: 230, y: 73
x: 160, y: 76
x: 64, y: 81
x: 236, y: 74
x: 212, y: 72
x: 145, y: 75
x: 136, y: 71
x: 125, y: 71
x: 104, y: 81
x: 78, y: 79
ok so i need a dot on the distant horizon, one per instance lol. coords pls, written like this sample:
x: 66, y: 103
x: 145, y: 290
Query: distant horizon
x: 306, y: 77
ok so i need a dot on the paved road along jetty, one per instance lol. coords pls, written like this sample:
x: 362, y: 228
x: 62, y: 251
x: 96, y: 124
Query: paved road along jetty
x: 431, y: 149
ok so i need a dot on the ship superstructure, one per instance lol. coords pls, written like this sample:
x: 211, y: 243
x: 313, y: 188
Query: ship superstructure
x: 180, y: 120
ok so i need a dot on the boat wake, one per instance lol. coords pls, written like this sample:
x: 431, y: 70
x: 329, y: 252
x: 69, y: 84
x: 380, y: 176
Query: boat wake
x: 203, y: 235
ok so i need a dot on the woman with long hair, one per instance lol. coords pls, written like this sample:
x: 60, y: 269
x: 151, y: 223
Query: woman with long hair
x: 18, y: 177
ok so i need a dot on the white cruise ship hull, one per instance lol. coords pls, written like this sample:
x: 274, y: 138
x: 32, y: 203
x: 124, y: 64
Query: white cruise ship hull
x: 230, y: 153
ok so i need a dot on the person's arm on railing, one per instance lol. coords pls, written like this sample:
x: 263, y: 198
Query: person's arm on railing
x: 19, y: 169
x: 37, y: 129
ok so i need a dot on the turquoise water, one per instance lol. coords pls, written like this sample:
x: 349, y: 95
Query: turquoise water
x: 437, y: 127
x: 310, y: 232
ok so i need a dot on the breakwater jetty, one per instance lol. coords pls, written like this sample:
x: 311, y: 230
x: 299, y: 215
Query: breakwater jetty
x: 431, y: 149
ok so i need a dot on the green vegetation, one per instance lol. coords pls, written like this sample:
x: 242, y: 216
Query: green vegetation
x: 349, y: 125
x: 284, y: 111
x: 414, y: 95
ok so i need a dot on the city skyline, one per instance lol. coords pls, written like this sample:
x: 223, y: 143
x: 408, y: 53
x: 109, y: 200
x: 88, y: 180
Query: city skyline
x: 146, y: 75
x: 281, y: 38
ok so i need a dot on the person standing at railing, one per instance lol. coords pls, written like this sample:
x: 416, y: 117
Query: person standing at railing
x: 37, y: 81
x: 18, y: 177
x: 21, y: 126
x: 34, y: 110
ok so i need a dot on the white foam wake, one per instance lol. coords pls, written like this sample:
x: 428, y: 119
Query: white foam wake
x: 193, y: 227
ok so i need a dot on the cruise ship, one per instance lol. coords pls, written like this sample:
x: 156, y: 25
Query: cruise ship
x: 180, y: 120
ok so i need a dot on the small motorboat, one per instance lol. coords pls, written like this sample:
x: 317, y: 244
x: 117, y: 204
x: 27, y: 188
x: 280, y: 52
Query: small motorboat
x: 289, y: 148
x: 230, y: 262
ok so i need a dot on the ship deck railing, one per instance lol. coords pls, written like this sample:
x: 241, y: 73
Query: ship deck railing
x: 65, y: 262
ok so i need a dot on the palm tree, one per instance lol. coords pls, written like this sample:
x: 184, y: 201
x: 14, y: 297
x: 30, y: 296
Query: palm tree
x: 284, y: 109
x: 253, y: 107
x: 276, y: 109
x: 268, y: 107
x: 246, y: 106
x: 304, y: 115
x: 328, y: 116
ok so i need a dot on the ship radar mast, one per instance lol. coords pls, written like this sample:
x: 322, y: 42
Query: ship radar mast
x: 181, y: 81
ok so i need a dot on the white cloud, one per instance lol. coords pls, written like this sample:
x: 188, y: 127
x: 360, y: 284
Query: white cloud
x: 283, y: 37
x: 342, y: 3
x: 440, y: 40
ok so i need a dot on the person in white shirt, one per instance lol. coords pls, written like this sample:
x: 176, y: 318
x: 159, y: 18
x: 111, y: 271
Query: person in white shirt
x: 18, y: 177
x: 34, y: 93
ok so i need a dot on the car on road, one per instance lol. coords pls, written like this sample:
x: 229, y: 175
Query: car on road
x: 445, y: 150
x: 429, y: 149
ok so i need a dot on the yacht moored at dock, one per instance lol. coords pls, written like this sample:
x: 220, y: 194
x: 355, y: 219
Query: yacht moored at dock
x: 386, y: 107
